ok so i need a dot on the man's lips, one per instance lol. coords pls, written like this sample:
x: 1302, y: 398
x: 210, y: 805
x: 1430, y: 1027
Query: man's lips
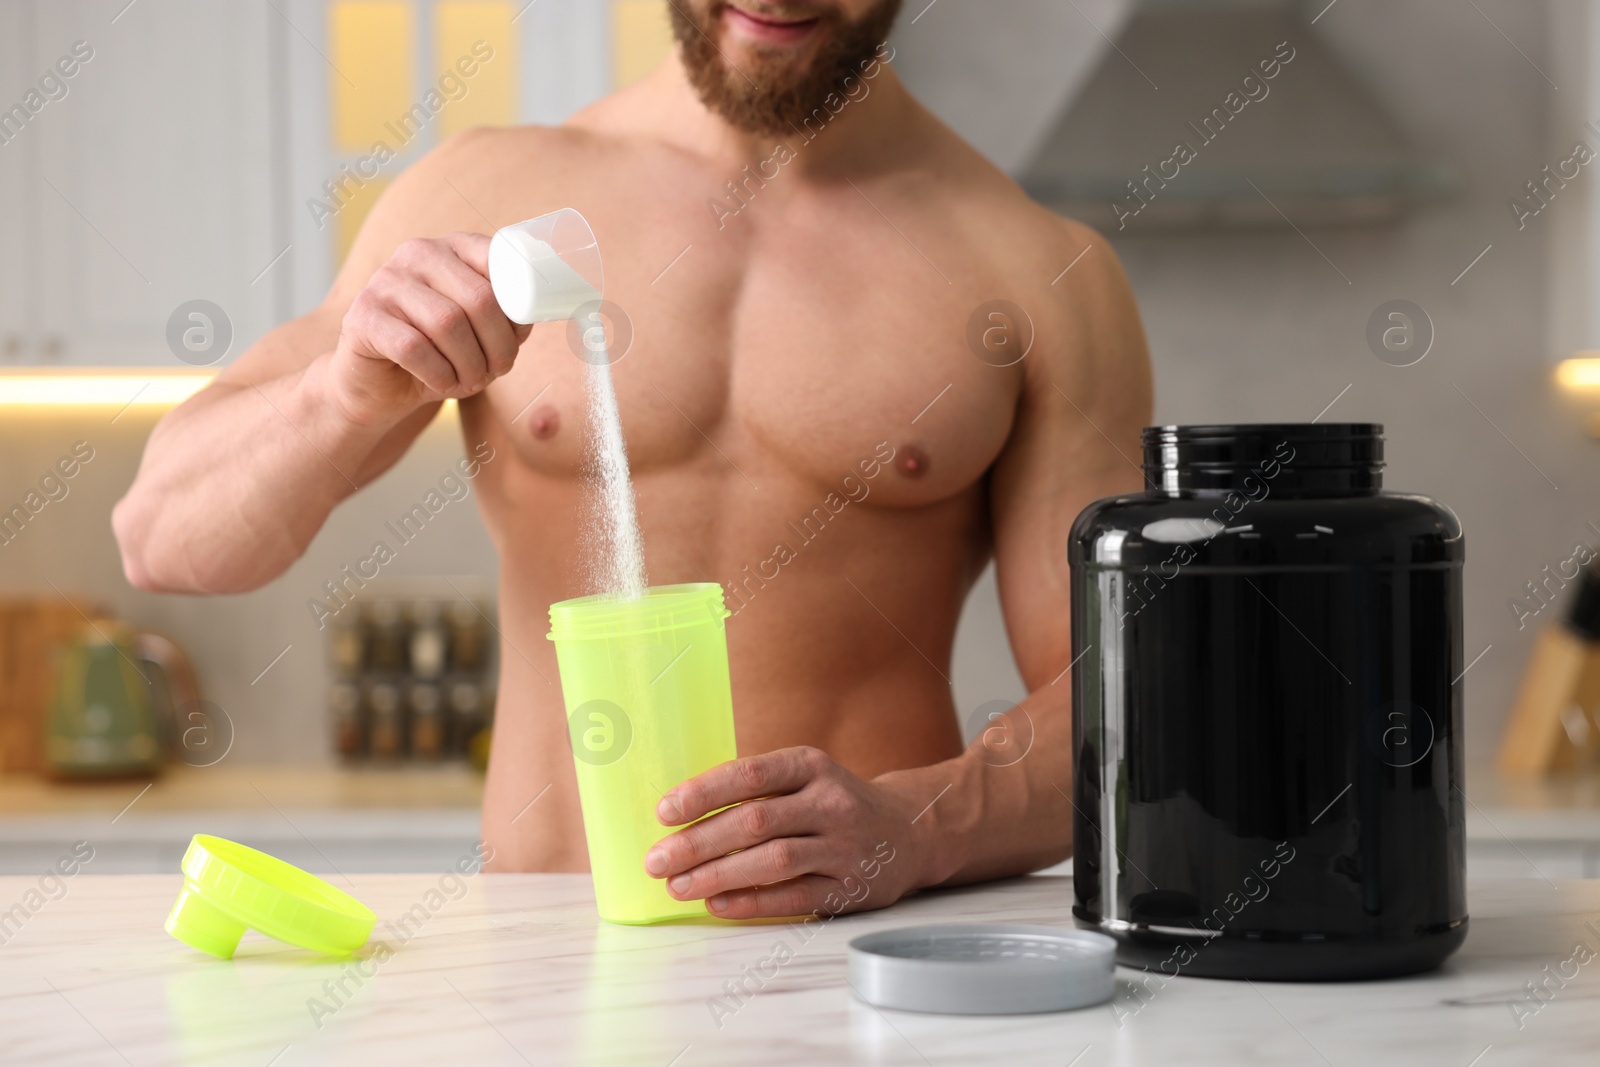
x: 766, y: 28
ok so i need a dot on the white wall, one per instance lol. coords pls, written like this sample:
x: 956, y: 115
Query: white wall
x: 1254, y: 326
x: 1574, y: 270
x: 1258, y: 326
x: 999, y: 74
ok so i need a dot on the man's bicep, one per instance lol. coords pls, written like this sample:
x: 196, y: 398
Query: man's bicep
x: 1076, y: 440
x: 1036, y: 495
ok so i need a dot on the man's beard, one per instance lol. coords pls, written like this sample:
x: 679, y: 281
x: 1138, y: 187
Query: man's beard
x: 767, y: 96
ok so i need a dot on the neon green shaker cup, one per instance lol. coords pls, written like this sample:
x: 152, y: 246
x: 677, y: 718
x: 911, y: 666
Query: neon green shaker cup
x: 648, y: 705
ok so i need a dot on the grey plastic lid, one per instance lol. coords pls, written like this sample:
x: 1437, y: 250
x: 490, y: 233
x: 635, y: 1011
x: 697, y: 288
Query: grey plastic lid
x: 983, y: 968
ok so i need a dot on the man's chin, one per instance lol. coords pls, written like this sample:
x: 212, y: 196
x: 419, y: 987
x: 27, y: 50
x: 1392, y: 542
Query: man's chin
x: 776, y: 70
x: 764, y: 75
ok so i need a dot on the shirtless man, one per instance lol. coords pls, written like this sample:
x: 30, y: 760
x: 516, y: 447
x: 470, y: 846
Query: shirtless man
x: 820, y: 320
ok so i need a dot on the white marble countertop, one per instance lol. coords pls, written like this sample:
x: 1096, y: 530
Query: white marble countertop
x: 517, y: 969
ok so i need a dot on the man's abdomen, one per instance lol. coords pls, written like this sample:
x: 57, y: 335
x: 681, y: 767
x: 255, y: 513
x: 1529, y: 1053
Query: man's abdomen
x: 843, y: 645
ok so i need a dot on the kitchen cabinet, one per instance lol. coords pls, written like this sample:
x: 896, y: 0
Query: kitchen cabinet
x: 407, y: 817
x: 142, y: 182
x: 179, y: 162
x: 356, y: 841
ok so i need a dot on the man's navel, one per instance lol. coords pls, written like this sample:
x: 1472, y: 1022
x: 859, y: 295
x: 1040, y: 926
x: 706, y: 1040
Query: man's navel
x: 912, y: 461
x: 544, y: 422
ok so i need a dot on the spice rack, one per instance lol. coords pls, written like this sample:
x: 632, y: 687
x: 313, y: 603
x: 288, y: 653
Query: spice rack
x: 413, y: 677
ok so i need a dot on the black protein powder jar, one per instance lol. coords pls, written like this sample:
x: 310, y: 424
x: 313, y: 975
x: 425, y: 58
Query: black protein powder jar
x: 1267, y: 710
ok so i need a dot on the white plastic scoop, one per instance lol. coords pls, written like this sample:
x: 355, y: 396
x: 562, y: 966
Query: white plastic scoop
x: 546, y: 269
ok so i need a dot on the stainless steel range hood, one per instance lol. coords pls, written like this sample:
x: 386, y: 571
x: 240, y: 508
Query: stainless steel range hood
x: 1181, y: 125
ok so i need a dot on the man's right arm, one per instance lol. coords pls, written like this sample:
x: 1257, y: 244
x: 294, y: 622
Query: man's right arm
x: 236, y: 481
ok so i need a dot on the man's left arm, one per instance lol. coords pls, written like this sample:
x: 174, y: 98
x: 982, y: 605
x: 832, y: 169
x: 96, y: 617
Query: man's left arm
x: 807, y: 835
x: 1076, y: 439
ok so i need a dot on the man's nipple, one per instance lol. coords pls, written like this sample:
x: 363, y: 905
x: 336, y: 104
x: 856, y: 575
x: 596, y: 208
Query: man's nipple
x: 912, y: 461
x: 544, y: 422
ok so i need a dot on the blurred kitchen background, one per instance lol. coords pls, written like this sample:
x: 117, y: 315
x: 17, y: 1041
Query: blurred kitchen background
x: 184, y: 156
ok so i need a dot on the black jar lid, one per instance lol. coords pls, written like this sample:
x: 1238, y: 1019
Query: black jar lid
x: 1585, y: 615
x: 1314, y: 458
x: 1264, y: 495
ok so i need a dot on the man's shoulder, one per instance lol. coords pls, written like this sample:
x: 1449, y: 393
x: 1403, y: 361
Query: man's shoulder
x: 474, y: 181
x: 479, y: 178
x: 1065, y: 274
x: 999, y: 222
x: 528, y: 151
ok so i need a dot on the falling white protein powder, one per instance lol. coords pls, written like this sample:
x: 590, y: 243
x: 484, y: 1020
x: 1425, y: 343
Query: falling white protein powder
x: 533, y: 282
x: 613, y: 546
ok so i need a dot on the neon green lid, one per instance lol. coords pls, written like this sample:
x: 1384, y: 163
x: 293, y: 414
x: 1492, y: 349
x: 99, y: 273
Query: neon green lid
x: 229, y: 888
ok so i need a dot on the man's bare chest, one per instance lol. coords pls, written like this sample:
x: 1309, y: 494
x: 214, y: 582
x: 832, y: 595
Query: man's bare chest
x: 790, y: 359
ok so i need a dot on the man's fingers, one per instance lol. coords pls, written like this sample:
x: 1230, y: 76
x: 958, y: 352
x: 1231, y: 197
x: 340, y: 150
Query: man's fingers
x: 783, y: 771
x: 472, y: 249
x: 766, y: 863
x: 742, y: 826
x: 400, y: 343
x: 445, y: 323
x: 798, y: 896
x: 457, y: 281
